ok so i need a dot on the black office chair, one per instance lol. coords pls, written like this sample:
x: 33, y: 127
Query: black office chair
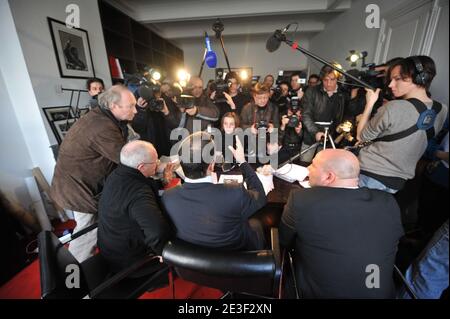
x: 255, y: 273
x: 59, y: 268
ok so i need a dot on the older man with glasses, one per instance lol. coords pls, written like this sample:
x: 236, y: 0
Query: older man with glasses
x: 131, y: 223
x: 88, y: 154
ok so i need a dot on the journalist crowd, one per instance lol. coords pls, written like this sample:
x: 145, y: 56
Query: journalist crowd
x: 391, y: 151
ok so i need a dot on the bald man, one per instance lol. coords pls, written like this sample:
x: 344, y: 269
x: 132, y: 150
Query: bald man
x: 131, y: 224
x: 344, y: 237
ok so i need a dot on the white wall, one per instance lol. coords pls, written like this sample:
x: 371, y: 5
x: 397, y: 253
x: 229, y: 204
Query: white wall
x: 439, y: 52
x: 30, y: 18
x: 243, y: 52
x: 15, y: 160
x: 24, y: 142
x: 28, y: 78
x: 348, y: 31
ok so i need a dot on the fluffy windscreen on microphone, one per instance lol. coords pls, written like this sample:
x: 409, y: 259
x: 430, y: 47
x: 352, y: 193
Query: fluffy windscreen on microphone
x: 273, y: 43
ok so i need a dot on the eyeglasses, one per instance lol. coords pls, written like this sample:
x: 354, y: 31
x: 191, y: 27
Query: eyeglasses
x: 149, y: 163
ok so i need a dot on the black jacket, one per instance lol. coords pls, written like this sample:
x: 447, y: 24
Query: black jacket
x: 131, y: 223
x: 216, y: 215
x: 152, y: 127
x: 315, y: 103
x: 337, y: 233
x: 253, y: 114
x: 207, y: 113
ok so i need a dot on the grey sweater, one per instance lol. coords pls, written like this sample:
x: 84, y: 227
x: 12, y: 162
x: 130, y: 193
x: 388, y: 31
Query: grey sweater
x: 397, y: 158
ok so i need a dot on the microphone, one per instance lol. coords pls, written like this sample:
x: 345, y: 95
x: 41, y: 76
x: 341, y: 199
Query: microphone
x: 210, y: 57
x: 274, y: 42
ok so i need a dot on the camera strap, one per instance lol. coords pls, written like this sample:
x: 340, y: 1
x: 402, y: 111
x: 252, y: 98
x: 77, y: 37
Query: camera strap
x: 425, y: 122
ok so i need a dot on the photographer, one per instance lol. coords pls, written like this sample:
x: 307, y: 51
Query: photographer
x: 260, y: 113
x: 235, y: 100
x: 261, y: 116
x: 296, y: 86
x: 313, y: 80
x: 269, y: 80
x: 279, y: 97
x: 322, y: 103
x: 290, y: 134
x: 150, y: 120
x: 203, y: 109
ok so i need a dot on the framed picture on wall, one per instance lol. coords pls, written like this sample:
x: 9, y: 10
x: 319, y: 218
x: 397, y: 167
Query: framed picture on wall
x: 72, y: 50
x: 58, y: 115
x: 62, y: 127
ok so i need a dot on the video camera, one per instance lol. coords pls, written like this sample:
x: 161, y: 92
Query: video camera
x: 150, y: 91
x: 371, y: 76
x: 185, y: 101
x: 220, y: 86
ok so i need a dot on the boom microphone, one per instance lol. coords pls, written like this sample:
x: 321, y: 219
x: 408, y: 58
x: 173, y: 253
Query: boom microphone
x: 274, y: 42
x: 210, y: 57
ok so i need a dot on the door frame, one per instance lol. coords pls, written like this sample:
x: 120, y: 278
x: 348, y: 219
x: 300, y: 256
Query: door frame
x: 402, y: 9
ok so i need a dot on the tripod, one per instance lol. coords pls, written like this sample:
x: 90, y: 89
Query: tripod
x: 327, y: 136
x: 218, y: 29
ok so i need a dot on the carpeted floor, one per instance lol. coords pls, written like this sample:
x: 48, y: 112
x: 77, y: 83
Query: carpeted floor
x: 26, y: 285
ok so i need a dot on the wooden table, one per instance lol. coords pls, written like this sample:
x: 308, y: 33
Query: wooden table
x: 270, y: 214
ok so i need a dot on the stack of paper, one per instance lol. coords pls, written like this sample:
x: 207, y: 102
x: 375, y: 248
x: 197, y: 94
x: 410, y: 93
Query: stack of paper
x: 292, y: 173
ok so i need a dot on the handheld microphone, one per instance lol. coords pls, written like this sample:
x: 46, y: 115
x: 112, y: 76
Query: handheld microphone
x: 274, y: 41
x: 210, y: 57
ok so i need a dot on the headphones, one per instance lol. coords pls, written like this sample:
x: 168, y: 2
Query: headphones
x: 421, y: 77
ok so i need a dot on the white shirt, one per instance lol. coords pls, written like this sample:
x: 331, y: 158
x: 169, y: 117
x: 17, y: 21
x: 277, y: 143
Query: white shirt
x: 206, y: 179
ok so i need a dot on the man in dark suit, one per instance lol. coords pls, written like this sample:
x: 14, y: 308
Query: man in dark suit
x: 215, y: 215
x: 344, y: 237
x: 131, y: 224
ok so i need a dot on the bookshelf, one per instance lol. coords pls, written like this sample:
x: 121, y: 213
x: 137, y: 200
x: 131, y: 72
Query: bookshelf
x: 135, y: 45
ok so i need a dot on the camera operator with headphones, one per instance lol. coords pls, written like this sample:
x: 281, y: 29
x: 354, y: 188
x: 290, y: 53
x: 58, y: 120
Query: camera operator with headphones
x: 399, y: 131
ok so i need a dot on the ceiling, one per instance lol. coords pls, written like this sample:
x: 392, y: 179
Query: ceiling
x: 178, y: 20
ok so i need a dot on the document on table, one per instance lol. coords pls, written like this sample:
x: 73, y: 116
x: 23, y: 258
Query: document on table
x: 231, y: 179
x: 292, y: 173
x: 266, y: 181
